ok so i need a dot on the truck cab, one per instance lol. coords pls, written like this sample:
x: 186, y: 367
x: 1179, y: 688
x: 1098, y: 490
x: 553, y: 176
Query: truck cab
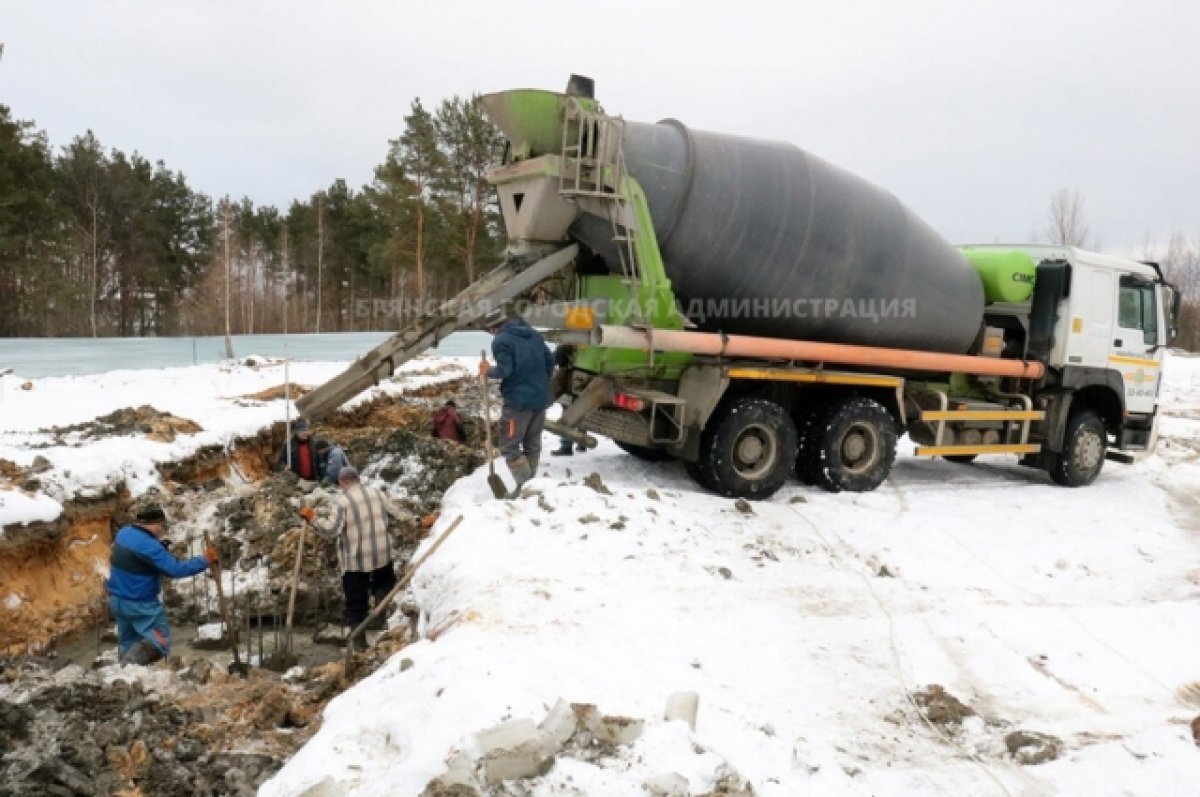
x: 1101, y: 325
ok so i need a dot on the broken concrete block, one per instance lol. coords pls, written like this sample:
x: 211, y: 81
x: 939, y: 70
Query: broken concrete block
x: 517, y: 749
x: 560, y: 724
x: 729, y: 782
x: 668, y: 784
x: 608, y: 729
x: 457, y: 781
x: 682, y: 706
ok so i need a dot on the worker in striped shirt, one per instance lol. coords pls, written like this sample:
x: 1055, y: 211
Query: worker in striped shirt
x: 359, y: 523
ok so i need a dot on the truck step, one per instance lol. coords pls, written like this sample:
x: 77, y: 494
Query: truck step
x: 951, y: 451
x: 982, y: 415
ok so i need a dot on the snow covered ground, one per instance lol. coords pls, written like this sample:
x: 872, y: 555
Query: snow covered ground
x: 806, y: 626
x: 214, y: 396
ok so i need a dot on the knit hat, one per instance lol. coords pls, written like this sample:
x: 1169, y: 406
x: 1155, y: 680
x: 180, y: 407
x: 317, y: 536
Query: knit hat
x: 494, y: 319
x: 152, y: 514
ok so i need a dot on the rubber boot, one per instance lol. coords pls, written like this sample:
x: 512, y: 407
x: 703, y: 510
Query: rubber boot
x: 565, y: 449
x: 141, y: 652
x: 521, y: 473
x: 533, y: 463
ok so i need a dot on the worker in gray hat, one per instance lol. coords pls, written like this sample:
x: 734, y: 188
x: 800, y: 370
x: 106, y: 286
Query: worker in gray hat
x: 523, y: 366
x: 360, y: 526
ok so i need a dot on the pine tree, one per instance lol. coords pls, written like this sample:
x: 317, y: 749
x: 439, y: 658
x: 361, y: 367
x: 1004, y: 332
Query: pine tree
x: 472, y: 145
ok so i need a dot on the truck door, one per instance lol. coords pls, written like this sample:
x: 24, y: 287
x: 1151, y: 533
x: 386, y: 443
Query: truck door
x: 1135, y: 347
x: 1090, y: 340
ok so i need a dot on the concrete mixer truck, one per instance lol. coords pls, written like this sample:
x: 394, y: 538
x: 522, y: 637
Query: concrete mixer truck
x: 757, y: 313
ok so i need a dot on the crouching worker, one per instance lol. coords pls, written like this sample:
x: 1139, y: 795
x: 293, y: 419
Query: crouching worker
x: 359, y: 523
x: 139, y: 561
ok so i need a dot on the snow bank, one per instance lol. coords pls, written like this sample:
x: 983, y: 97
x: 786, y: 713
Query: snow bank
x: 18, y: 507
x: 213, y: 396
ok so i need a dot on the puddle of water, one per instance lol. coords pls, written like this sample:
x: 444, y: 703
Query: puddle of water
x: 84, y: 647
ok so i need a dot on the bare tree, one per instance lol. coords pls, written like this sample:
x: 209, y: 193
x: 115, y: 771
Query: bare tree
x: 1067, y: 223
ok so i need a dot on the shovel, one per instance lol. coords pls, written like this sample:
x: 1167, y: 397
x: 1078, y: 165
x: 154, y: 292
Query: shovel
x: 295, y: 580
x: 237, y: 666
x: 494, y: 481
x: 282, y: 658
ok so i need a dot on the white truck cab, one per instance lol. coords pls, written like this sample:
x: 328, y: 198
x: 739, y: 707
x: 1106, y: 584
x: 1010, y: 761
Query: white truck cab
x: 1101, y: 325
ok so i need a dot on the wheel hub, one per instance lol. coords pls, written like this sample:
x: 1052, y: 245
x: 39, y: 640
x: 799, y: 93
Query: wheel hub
x: 1088, y: 451
x: 860, y: 448
x: 754, y: 452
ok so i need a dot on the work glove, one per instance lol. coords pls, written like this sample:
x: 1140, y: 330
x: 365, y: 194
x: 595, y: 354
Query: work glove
x: 210, y: 553
x: 307, y: 513
x: 428, y: 521
x: 484, y: 367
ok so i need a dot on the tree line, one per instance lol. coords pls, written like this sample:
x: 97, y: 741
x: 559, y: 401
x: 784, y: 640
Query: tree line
x: 97, y: 242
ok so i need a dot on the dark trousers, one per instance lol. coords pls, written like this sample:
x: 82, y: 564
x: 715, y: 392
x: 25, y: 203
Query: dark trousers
x: 521, y: 433
x: 359, y: 587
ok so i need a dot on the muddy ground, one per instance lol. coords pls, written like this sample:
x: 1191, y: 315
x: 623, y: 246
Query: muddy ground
x: 72, y: 722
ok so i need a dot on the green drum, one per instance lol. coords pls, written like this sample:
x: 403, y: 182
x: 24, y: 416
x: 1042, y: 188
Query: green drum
x: 1007, y: 274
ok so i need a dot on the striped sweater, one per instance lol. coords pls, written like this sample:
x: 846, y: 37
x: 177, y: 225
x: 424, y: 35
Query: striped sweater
x: 359, y: 523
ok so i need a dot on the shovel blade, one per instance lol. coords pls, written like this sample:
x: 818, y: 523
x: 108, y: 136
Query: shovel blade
x: 497, y: 485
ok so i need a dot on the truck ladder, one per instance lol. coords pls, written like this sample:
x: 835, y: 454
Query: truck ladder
x: 497, y: 286
x: 594, y: 170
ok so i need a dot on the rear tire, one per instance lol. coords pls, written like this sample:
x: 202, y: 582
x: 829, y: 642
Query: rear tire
x: 853, y: 446
x: 1083, y: 449
x: 747, y: 451
x: 644, y: 453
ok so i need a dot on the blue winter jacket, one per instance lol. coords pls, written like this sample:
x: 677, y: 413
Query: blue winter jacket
x: 523, y: 364
x: 335, y: 460
x: 139, y: 560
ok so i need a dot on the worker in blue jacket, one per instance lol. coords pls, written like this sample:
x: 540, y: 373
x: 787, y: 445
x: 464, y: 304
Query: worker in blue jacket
x: 139, y: 561
x: 523, y: 366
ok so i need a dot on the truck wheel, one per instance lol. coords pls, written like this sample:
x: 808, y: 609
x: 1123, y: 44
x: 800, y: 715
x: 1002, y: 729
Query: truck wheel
x: 854, y: 446
x: 644, y: 453
x: 1083, y: 450
x: 748, y: 451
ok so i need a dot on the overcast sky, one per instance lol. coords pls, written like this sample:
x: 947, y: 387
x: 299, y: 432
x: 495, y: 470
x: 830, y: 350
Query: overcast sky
x: 973, y: 113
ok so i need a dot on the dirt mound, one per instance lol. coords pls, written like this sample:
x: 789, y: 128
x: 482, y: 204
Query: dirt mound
x: 11, y: 472
x: 278, y: 392
x: 418, y: 466
x: 144, y: 420
x: 940, y: 707
x: 78, y: 735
